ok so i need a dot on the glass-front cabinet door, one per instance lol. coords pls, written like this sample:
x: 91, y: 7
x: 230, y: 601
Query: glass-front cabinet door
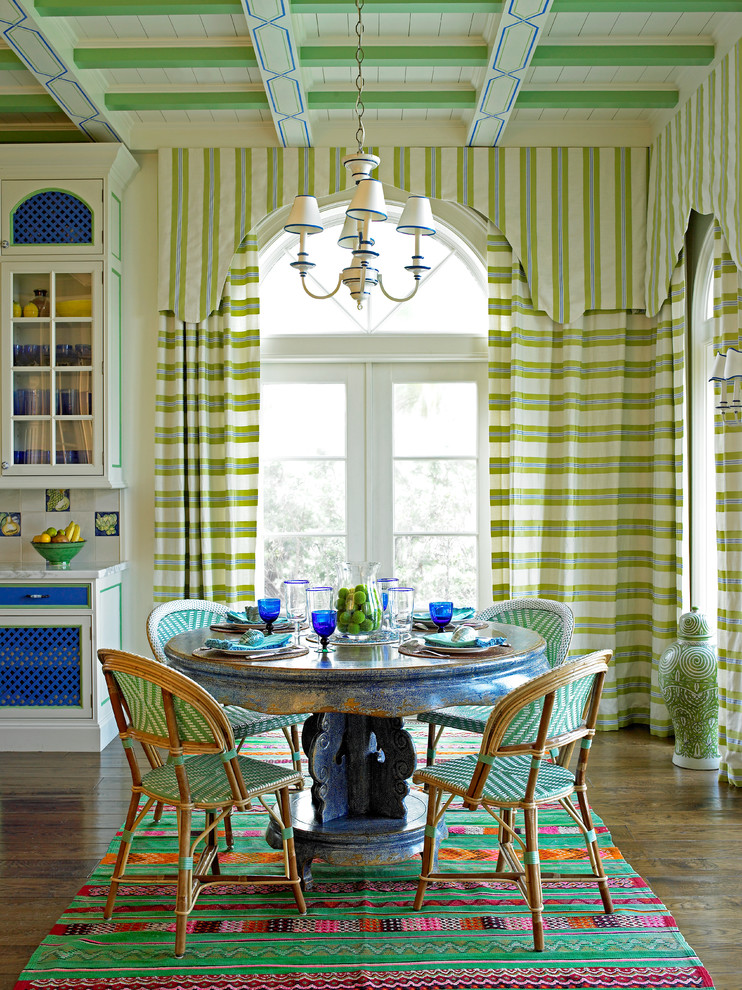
x: 51, y: 369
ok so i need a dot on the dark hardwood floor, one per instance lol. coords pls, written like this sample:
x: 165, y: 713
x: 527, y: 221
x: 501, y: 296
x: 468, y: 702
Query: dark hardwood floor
x: 680, y: 829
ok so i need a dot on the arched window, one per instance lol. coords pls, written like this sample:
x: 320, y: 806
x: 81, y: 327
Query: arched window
x: 700, y: 420
x: 374, y: 423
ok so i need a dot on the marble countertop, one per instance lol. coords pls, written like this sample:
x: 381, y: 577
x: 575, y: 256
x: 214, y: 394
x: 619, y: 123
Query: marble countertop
x: 88, y: 571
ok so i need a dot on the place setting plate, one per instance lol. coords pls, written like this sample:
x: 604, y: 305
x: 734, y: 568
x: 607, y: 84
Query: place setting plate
x: 419, y: 648
x: 238, y: 627
x: 279, y: 653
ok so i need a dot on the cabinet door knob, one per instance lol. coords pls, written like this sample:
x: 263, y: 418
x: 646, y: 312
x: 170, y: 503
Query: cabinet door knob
x: 5, y: 465
x: 4, y: 244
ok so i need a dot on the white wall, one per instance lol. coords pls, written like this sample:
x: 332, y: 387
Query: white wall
x: 139, y: 349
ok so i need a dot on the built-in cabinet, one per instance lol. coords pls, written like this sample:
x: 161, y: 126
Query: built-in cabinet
x: 60, y: 315
x: 52, y: 693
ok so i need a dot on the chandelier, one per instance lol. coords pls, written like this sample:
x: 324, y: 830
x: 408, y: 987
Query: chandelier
x: 366, y: 206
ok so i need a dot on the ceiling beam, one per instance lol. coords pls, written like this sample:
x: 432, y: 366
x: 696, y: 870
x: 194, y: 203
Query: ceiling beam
x: 9, y: 60
x: 646, y: 6
x: 521, y: 25
x: 166, y: 57
x: 70, y: 135
x: 272, y: 36
x: 638, y: 54
x: 593, y: 99
x: 47, y: 54
x: 135, y: 8
x: 40, y: 102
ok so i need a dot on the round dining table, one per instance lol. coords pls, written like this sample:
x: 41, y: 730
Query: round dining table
x: 359, y: 810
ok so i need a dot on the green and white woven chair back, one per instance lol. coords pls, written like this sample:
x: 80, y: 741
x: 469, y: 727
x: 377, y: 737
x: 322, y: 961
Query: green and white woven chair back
x: 172, y: 618
x: 553, y: 620
x: 147, y: 711
x: 566, y: 716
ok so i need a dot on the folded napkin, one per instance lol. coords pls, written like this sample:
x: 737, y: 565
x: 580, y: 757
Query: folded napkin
x: 235, y: 645
x: 445, y: 639
x: 459, y: 614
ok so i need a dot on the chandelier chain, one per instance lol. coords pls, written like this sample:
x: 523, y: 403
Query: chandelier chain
x: 360, y: 55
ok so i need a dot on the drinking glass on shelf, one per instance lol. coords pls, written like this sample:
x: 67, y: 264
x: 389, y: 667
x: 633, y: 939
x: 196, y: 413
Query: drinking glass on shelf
x: 441, y: 613
x: 324, y: 621
x: 296, y: 602
x: 385, y: 584
x: 401, y: 606
x: 269, y: 609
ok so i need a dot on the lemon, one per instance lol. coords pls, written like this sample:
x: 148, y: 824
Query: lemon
x: 44, y: 538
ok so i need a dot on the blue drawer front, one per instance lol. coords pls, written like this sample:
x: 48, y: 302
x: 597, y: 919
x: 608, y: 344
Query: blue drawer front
x: 45, y: 596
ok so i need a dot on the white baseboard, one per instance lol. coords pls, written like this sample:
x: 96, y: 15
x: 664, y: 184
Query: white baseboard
x: 22, y: 735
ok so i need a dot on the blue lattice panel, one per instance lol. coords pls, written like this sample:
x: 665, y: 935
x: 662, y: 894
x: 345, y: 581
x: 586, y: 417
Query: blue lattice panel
x: 52, y: 217
x: 40, y: 666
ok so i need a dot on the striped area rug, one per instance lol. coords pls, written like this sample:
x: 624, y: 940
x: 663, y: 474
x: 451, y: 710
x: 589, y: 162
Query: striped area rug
x: 360, y: 932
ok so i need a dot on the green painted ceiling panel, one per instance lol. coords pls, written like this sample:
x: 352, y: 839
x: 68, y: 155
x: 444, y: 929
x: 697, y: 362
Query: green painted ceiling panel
x: 146, y: 57
x: 322, y: 56
x: 199, y: 100
x: 558, y: 55
x: 40, y: 136
x: 587, y: 99
x: 404, y: 100
x: 27, y: 103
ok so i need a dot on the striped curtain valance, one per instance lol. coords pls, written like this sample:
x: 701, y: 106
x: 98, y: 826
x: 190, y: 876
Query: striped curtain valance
x: 695, y: 164
x: 575, y: 217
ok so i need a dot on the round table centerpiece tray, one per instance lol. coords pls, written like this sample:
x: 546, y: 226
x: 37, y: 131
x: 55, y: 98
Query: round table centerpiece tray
x: 383, y: 637
x: 417, y: 648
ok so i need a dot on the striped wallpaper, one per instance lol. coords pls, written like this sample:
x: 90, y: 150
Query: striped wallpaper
x: 695, y: 164
x: 576, y: 217
x: 586, y: 428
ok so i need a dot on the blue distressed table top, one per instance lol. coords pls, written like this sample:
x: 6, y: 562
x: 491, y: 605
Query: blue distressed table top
x: 364, y: 680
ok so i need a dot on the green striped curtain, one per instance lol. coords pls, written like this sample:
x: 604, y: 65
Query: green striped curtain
x: 206, y: 445
x: 586, y: 475
x: 728, y: 444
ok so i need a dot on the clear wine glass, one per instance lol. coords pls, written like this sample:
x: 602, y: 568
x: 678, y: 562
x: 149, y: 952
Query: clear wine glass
x: 441, y: 613
x: 296, y: 602
x: 385, y: 584
x: 269, y: 609
x: 324, y: 622
x: 401, y: 606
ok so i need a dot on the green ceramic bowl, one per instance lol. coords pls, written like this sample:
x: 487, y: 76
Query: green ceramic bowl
x: 58, y: 555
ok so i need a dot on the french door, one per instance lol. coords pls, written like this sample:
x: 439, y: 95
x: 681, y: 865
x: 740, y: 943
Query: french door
x: 376, y: 460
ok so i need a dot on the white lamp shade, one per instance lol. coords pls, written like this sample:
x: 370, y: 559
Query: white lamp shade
x: 417, y: 217
x: 368, y: 201
x: 349, y: 235
x: 733, y: 364
x: 719, y: 368
x: 304, y: 217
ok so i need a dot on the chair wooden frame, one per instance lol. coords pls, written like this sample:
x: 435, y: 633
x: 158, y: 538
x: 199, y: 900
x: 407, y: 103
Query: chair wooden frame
x: 191, y: 878
x: 556, y: 654
x: 527, y: 875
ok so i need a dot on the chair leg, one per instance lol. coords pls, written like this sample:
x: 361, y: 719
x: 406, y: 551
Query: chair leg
x: 228, y: 837
x: 432, y: 744
x: 295, y: 748
x: 504, y: 838
x: 185, y: 879
x: 428, y: 854
x: 211, y: 843
x: 122, y: 857
x: 592, y: 844
x: 533, y: 877
x: 292, y: 869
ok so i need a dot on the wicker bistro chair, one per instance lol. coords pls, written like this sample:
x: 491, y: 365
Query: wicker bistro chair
x: 165, y: 709
x: 171, y: 618
x: 555, y: 709
x: 553, y: 620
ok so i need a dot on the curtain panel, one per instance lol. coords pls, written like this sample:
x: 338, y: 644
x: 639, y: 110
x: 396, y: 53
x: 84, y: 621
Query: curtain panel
x: 206, y: 445
x: 696, y: 163
x: 728, y: 450
x: 576, y: 217
x: 586, y: 432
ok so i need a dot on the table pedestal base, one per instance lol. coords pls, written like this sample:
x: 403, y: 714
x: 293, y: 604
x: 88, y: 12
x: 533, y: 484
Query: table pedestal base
x: 355, y: 841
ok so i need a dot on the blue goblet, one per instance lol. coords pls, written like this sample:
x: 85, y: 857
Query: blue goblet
x: 324, y: 621
x: 269, y: 609
x: 441, y: 613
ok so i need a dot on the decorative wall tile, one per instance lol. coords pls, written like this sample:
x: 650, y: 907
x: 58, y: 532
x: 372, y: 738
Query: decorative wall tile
x: 106, y: 524
x: 57, y: 499
x: 10, y: 524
